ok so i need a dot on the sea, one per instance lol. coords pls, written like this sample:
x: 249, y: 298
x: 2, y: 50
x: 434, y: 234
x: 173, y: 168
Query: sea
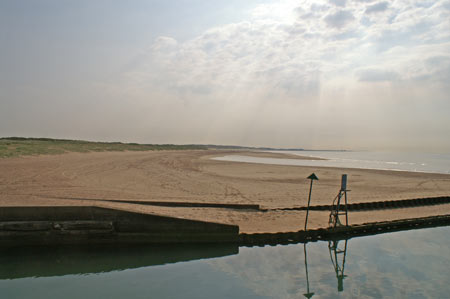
x: 397, y: 161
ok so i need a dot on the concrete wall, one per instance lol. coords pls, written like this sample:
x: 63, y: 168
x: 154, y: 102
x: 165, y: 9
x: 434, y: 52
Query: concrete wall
x: 87, y: 224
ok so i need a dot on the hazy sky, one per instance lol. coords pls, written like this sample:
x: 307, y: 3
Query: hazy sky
x: 314, y: 74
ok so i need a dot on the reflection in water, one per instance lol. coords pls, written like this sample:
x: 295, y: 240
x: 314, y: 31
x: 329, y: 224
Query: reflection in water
x: 337, y: 256
x: 413, y: 264
x: 56, y: 261
x: 308, y: 294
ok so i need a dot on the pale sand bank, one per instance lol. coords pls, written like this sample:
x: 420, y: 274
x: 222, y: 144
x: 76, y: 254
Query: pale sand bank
x: 193, y: 177
x: 261, y: 154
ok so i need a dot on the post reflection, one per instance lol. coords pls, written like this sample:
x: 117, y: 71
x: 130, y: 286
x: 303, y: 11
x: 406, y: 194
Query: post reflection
x: 338, y: 253
x: 337, y: 256
x: 308, y: 294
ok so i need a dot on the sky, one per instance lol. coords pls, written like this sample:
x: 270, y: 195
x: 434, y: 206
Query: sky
x: 337, y: 74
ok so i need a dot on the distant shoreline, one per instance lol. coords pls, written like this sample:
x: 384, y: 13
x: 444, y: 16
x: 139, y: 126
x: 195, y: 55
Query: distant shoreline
x: 418, y: 163
x: 23, y: 146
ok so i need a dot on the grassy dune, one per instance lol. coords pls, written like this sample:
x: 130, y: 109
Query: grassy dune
x: 19, y: 146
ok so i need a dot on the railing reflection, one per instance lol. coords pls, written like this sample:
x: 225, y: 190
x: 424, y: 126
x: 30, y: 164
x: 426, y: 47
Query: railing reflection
x: 338, y: 254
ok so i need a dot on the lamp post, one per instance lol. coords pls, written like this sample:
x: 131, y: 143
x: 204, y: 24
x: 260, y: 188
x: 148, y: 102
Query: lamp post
x: 312, y: 177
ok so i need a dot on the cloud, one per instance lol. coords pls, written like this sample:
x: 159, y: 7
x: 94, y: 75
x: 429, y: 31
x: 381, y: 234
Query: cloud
x: 340, y: 3
x: 339, y: 19
x: 435, y: 62
x: 269, y: 73
x: 378, y: 7
x: 376, y: 75
x: 289, y: 58
x: 438, y: 69
x: 446, y: 5
x: 277, y: 75
x: 242, y: 57
x: 165, y: 43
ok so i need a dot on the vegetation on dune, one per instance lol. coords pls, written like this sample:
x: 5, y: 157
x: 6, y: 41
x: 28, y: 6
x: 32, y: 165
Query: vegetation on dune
x: 20, y: 146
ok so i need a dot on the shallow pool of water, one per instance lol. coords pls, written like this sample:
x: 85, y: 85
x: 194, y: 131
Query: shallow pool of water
x: 412, y: 264
x: 416, y: 162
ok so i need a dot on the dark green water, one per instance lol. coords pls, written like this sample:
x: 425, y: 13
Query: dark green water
x: 412, y: 264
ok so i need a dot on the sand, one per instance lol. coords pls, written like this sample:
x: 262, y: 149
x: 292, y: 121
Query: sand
x: 192, y: 176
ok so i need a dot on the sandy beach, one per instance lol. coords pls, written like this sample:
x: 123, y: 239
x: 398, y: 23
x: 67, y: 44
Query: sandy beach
x: 192, y: 176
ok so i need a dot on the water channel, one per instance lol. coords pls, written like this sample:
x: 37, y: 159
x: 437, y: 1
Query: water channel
x: 409, y: 264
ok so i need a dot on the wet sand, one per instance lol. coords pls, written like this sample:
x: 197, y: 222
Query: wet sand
x: 191, y: 176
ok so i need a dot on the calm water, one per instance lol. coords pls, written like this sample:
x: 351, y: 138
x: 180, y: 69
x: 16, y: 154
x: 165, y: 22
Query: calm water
x: 420, y: 162
x: 413, y: 264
